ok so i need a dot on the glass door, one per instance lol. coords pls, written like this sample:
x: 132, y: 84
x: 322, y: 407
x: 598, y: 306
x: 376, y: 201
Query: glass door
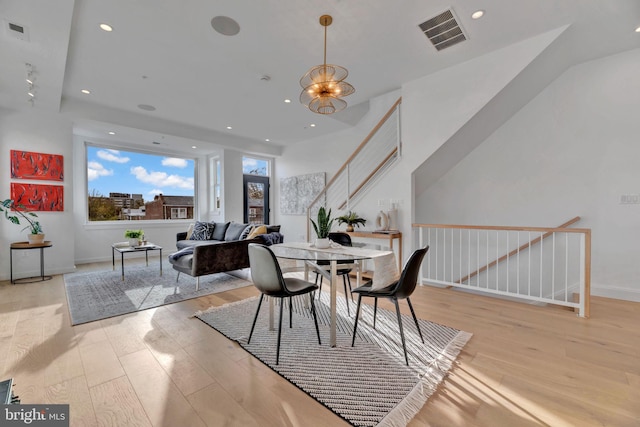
x: 256, y: 199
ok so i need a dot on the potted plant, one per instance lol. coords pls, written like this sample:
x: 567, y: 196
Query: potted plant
x: 351, y: 219
x: 322, y: 227
x: 135, y: 237
x: 35, y: 229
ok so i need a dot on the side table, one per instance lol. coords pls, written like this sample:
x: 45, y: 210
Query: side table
x: 18, y: 246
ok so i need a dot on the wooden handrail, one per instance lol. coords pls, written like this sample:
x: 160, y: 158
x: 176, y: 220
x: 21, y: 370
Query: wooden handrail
x: 505, y: 228
x: 561, y: 228
x: 371, y: 175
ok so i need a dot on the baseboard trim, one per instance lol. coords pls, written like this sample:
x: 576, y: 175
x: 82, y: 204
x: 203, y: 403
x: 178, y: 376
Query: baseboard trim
x: 615, y: 292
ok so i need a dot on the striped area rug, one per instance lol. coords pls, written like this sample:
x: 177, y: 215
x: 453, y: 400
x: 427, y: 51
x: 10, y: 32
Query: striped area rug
x: 367, y: 385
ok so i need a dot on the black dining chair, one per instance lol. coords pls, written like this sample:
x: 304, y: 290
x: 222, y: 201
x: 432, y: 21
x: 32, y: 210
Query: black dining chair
x: 345, y: 240
x: 267, y: 277
x: 402, y: 289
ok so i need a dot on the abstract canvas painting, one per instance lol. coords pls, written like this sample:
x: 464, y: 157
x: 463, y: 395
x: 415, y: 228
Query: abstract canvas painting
x: 297, y: 192
x: 38, y: 197
x: 30, y: 165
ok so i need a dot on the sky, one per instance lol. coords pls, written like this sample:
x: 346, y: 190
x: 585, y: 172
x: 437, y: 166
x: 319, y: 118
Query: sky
x: 117, y: 171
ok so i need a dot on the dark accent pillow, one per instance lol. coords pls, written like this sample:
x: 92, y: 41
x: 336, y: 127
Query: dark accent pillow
x: 247, y: 230
x: 202, y: 231
x: 273, y: 228
x: 234, y: 231
x: 219, y: 230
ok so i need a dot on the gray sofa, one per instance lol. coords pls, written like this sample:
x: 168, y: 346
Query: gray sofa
x: 225, y: 250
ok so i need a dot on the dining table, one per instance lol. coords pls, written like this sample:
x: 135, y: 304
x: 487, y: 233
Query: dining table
x: 335, y: 254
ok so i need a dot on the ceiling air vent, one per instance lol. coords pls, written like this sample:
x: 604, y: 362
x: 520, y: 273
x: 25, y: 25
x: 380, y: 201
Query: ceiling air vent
x: 17, y: 31
x: 443, y: 30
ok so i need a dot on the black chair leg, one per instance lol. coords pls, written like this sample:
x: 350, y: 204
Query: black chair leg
x: 350, y: 289
x: 415, y: 319
x: 404, y: 347
x: 280, y: 331
x: 346, y: 295
x: 290, y: 314
x: 375, y: 311
x: 316, y: 282
x: 255, y: 318
x: 355, y: 324
x: 315, y: 318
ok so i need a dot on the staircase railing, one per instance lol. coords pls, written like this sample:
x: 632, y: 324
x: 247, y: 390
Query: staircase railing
x: 545, y: 265
x: 380, y: 148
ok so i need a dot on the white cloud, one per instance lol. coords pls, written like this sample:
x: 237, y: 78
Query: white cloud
x: 175, y: 162
x: 154, y: 192
x: 96, y: 170
x: 112, y: 156
x: 161, y: 179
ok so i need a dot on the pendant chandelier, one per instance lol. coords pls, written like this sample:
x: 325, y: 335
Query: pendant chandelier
x: 324, y: 85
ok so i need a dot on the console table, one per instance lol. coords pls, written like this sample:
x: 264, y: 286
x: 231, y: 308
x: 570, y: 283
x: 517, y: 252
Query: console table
x: 385, y: 235
x: 18, y: 246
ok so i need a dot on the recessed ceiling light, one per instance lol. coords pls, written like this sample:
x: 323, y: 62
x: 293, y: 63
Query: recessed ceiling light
x: 193, y: 146
x: 146, y: 107
x: 312, y: 125
x: 111, y: 132
x: 156, y: 143
x: 106, y: 27
x: 477, y: 14
x: 30, y: 81
x: 638, y: 30
x: 229, y: 127
x: 85, y: 91
x: 31, y: 94
x: 287, y: 101
x: 267, y: 140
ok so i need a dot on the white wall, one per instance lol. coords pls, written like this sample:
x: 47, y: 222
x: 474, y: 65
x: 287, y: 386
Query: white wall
x: 327, y: 154
x: 572, y: 151
x: 35, y: 130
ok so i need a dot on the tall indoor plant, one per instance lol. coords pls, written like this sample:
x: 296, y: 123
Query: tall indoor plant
x: 322, y: 227
x: 35, y: 229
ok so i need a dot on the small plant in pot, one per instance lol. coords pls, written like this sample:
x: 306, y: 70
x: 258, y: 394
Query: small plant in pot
x: 35, y: 229
x: 135, y: 237
x: 351, y: 219
x: 322, y: 227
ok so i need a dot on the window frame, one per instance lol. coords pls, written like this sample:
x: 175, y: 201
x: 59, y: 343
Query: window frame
x: 127, y: 148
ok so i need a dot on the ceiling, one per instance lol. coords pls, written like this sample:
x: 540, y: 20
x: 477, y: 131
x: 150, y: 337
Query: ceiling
x: 166, y: 54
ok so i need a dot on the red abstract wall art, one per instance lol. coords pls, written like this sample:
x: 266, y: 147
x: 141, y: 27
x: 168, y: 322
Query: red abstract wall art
x: 38, y: 197
x: 30, y: 165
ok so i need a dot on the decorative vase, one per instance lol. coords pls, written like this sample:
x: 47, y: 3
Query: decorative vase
x: 133, y: 242
x: 35, y: 238
x: 323, y: 243
x: 349, y: 228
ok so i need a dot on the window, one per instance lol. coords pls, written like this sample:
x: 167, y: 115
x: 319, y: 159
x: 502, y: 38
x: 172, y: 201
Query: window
x: 178, y: 213
x: 216, y: 180
x: 132, y: 186
x: 253, y: 166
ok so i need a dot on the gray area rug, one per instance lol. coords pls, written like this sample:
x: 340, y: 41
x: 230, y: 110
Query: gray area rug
x: 367, y: 385
x: 96, y: 295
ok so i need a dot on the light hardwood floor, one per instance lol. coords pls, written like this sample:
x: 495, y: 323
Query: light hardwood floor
x: 524, y: 366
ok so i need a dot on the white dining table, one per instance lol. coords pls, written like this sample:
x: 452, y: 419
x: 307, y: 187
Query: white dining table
x: 303, y: 251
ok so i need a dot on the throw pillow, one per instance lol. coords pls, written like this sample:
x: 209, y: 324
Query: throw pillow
x: 190, y: 231
x: 202, y: 231
x: 234, y: 230
x: 257, y: 231
x: 273, y: 228
x: 246, y: 232
x: 219, y: 230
